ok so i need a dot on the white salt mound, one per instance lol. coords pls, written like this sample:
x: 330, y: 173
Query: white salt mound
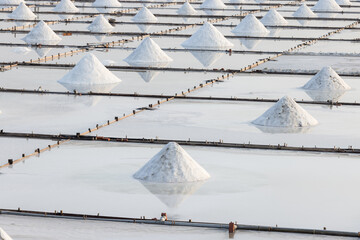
x: 172, y: 165
x: 207, y: 37
x: 343, y: 2
x: 147, y: 52
x: 326, y: 80
x: 213, y: 4
x: 304, y: 11
x: 4, y: 235
x: 186, y: 9
x: 89, y: 70
x: 273, y: 18
x: 250, y: 26
x: 41, y: 34
x: 106, y: 3
x: 10, y: 2
x: 22, y: 12
x: 286, y: 113
x: 144, y: 15
x: 66, y: 6
x: 100, y: 24
x: 326, y: 5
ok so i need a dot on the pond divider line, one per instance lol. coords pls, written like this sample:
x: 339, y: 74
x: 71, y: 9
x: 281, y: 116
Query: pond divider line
x: 189, y: 90
x: 181, y: 97
x: 232, y: 227
x: 8, y: 9
x: 187, y: 70
x: 179, y: 24
x: 95, y: 46
x: 217, y: 144
x: 167, y: 33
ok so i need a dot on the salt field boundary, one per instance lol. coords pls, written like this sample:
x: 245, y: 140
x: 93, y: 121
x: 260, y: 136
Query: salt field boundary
x: 232, y: 25
x: 172, y: 69
x: 231, y: 227
x: 218, y: 144
x: 181, y: 97
x: 169, y: 35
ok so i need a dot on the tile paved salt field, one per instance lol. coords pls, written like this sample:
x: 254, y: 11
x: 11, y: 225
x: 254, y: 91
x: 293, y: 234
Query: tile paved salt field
x: 231, y: 122
x: 276, y: 188
x: 250, y: 86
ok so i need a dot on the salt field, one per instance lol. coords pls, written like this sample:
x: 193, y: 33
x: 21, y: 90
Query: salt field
x: 199, y: 119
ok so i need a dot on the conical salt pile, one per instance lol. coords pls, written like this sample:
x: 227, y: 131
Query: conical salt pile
x: 22, y: 12
x: 286, y: 113
x: 207, y: 37
x: 273, y: 18
x: 10, y: 2
x: 148, y: 52
x: 106, y: 3
x: 172, y: 165
x: 186, y: 9
x: 213, y: 4
x: 66, y: 6
x: 343, y: 2
x: 4, y: 235
x: 326, y: 5
x: 100, y: 24
x: 144, y: 15
x: 326, y: 80
x: 250, y: 26
x: 89, y: 70
x: 42, y: 34
x: 304, y: 11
